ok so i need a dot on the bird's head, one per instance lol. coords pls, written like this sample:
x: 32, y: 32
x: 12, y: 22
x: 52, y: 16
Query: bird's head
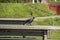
x: 33, y: 17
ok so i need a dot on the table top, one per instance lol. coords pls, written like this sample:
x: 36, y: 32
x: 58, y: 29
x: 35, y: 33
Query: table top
x: 7, y: 26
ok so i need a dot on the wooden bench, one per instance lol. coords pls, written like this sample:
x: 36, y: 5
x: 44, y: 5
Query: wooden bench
x: 16, y: 20
x: 25, y: 30
x: 13, y: 20
x: 16, y: 30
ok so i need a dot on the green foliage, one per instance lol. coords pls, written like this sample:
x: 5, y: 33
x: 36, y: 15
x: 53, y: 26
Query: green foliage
x: 11, y: 10
x: 18, y: 10
x: 53, y: 1
x: 44, y: 11
x: 57, y: 21
x: 55, y: 34
x: 48, y: 21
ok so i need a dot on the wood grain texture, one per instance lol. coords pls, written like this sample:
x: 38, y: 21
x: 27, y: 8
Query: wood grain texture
x: 7, y: 26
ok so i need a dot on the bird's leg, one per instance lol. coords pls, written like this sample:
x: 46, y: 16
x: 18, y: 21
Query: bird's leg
x: 29, y: 24
x: 24, y: 24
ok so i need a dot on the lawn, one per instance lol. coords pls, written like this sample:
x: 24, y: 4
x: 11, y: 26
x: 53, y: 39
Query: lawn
x: 47, y: 22
x: 20, y: 10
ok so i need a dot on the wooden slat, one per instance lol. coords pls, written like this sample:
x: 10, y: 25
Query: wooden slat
x: 12, y: 21
x: 6, y: 26
x: 13, y: 18
x: 21, y: 32
x: 20, y: 21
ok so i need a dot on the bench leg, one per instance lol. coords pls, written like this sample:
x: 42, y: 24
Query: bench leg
x: 45, y: 35
x: 24, y: 36
x: 48, y: 33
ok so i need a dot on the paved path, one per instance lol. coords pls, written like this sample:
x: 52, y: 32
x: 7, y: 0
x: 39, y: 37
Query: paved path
x: 58, y: 16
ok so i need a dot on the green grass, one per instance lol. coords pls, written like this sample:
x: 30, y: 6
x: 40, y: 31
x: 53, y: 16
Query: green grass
x: 55, y: 34
x: 13, y: 10
x: 47, y: 11
x: 48, y: 22
x: 53, y: 1
x: 20, y: 10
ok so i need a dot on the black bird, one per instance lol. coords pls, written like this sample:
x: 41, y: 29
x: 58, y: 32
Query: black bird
x: 29, y: 21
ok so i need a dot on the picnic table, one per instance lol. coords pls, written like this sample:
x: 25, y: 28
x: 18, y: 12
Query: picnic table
x: 25, y: 30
